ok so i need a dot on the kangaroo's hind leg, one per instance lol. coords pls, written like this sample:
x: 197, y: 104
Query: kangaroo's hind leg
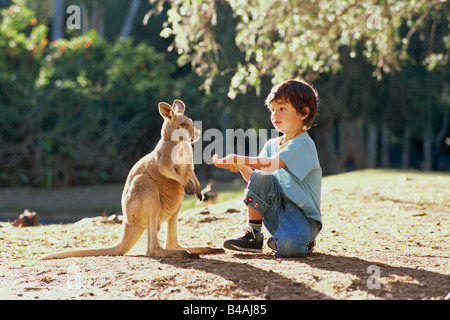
x: 153, y: 207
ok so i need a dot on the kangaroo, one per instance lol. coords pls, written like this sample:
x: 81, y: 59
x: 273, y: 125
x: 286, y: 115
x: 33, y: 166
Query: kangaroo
x: 154, y: 192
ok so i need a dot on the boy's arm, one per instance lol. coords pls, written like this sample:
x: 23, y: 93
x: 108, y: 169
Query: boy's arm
x: 245, y: 171
x: 263, y: 164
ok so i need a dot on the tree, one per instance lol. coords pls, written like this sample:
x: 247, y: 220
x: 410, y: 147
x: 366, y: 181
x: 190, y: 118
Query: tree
x: 345, y: 47
x: 300, y: 39
x: 93, y: 14
x: 76, y: 111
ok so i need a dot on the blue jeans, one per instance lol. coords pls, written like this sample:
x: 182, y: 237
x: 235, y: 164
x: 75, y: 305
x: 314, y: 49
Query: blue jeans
x: 287, y: 223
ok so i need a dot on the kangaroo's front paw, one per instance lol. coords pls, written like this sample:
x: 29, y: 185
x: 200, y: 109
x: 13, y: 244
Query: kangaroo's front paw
x: 199, y: 195
x: 189, y: 189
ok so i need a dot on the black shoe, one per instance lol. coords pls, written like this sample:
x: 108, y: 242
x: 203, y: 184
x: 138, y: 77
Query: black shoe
x: 311, y: 246
x: 252, y: 241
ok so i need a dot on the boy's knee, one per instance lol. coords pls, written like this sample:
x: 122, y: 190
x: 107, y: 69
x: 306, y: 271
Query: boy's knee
x: 290, y: 247
x: 260, y: 177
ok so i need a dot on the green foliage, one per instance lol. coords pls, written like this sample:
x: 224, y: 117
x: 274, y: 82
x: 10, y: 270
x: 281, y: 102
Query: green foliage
x: 381, y: 67
x: 79, y: 110
x: 299, y: 39
x: 82, y: 110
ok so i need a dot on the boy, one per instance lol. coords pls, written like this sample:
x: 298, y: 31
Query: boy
x: 284, y: 181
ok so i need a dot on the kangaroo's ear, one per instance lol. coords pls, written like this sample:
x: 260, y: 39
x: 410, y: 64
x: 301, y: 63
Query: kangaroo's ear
x: 178, y: 106
x: 166, y: 111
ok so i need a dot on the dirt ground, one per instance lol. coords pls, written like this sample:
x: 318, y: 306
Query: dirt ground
x: 386, y: 236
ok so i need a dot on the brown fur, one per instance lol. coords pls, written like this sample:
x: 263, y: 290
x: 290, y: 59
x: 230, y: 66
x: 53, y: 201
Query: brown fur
x: 154, y: 192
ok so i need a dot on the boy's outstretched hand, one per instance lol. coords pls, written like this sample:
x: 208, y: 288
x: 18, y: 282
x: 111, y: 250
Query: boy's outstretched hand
x: 226, y: 163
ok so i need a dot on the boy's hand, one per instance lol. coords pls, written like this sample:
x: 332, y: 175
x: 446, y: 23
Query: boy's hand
x: 226, y: 163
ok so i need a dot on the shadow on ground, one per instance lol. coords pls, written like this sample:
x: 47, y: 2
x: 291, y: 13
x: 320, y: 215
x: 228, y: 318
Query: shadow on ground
x: 378, y: 279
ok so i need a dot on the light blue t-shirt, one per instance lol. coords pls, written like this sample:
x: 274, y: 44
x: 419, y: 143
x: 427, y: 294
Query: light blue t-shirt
x: 301, y: 179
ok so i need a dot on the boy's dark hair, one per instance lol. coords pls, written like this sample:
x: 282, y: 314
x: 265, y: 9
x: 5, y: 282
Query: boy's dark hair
x: 300, y: 95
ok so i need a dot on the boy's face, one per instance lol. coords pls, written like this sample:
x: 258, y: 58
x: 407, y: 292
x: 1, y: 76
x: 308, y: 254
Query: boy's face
x: 285, y: 118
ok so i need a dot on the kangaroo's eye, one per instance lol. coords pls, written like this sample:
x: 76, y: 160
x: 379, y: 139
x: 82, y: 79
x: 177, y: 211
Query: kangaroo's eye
x: 183, y: 124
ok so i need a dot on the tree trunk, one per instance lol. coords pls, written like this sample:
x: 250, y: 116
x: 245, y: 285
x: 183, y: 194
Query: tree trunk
x: 427, y: 150
x: 342, y: 147
x: 58, y: 20
x: 406, y: 149
x: 372, y: 141
x: 355, y: 140
x: 97, y: 21
x: 428, y: 133
x: 128, y: 25
x: 385, y: 158
x: 331, y: 150
x: 445, y: 117
x: 85, y: 18
x: 101, y: 24
x: 326, y: 154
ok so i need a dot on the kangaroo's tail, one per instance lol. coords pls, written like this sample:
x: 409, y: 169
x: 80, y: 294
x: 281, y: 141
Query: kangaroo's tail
x: 130, y: 235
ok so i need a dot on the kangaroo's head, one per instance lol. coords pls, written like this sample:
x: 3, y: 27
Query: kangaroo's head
x: 177, y: 127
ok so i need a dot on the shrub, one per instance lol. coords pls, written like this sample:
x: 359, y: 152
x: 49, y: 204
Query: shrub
x: 75, y: 111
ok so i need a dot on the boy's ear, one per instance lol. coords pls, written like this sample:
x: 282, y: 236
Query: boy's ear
x: 178, y: 106
x: 166, y: 111
x: 305, y: 113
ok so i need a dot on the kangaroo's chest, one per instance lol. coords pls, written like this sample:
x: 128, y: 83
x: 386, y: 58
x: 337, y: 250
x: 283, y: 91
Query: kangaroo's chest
x: 182, y: 158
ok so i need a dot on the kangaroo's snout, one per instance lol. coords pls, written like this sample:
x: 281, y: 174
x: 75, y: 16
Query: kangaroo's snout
x: 195, y: 135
